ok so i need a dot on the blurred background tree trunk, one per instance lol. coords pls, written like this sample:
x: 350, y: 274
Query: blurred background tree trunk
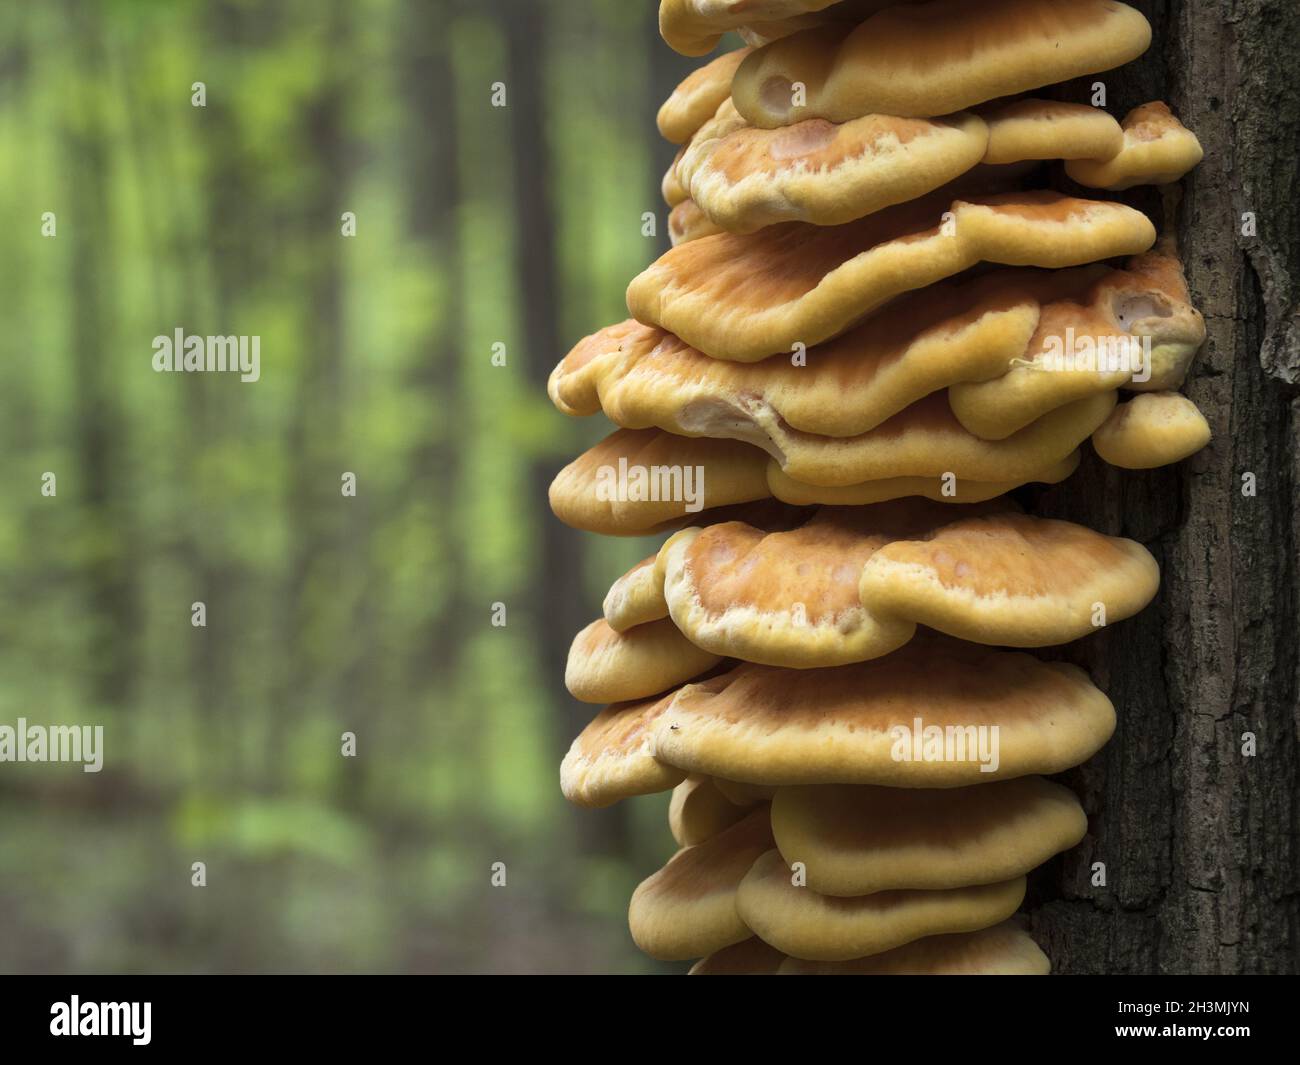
x: 1199, y: 840
x: 96, y: 429
x: 536, y: 269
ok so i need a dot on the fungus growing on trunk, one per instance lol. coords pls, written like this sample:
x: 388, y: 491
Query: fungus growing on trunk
x: 935, y: 58
x: 605, y: 666
x: 745, y: 178
x: 860, y: 839
x: 912, y: 719
x: 1049, y: 129
x: 742, y: 177
x: 699, y: 95
x: 613, y: 757
x: 750, y: 957
x: 824, y: 417
x: 688, y: 908
x: 686, y: 222
x: 1003, y: 950
x: 803, y: 924
x: 1009, y: 346
x: 1157, y: 149
x: 694, y: 27
x: 1152, y: 429
x: 746, y: 297
x: 699, y: 810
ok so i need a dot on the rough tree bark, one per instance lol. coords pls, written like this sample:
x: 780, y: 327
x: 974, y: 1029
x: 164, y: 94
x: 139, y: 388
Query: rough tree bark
x: 1199, y: 841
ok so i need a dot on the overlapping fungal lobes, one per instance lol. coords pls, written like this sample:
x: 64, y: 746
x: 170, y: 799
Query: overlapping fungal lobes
x: 744, y: 177
x: 748, y: 296
x: 880, y: 316
x: 694, y: 27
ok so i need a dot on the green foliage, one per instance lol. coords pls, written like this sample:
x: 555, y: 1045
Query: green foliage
x: 325, y: 614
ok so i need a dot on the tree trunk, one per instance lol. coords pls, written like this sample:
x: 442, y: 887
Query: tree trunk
x: 1198, y: 839
x: 111, y: 581
x: 557, y: 610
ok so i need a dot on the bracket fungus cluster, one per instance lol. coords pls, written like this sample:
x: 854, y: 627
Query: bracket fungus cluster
x: 901, y: 287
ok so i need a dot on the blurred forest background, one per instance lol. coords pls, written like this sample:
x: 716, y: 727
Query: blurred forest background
x: 475, y: 225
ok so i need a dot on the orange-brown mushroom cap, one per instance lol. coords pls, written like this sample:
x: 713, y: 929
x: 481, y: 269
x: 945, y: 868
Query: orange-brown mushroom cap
x: 606, y: 666
x: 637, y: 597
x: 642, y: 376
x: 935, y: 58
x: 686, y: 222
x: 803, y: 924
x: 927, y: 440
x: 1152, y: 429
x: 1160, y: 312
x: 750, y: 957
x: 788, y: 597
x: 744, y: 178
x: 1049, y: 129
x: 640, y: 481
x: 939, y: 714
x: 1003, y: 950
x: 1157, y: 149
x: 669, y: 187
x: 612, y: 758
x: 698, y: 810
x: 694, y: 27
x: 860, y: 839
x: 1009, y: 346
x: 698, y: 96
x: 849, y: 584
x: 1011, y: 579
x: 688, y: 908
x: 745, y: 297
x: 728, y: 481
x: 942, y: 489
